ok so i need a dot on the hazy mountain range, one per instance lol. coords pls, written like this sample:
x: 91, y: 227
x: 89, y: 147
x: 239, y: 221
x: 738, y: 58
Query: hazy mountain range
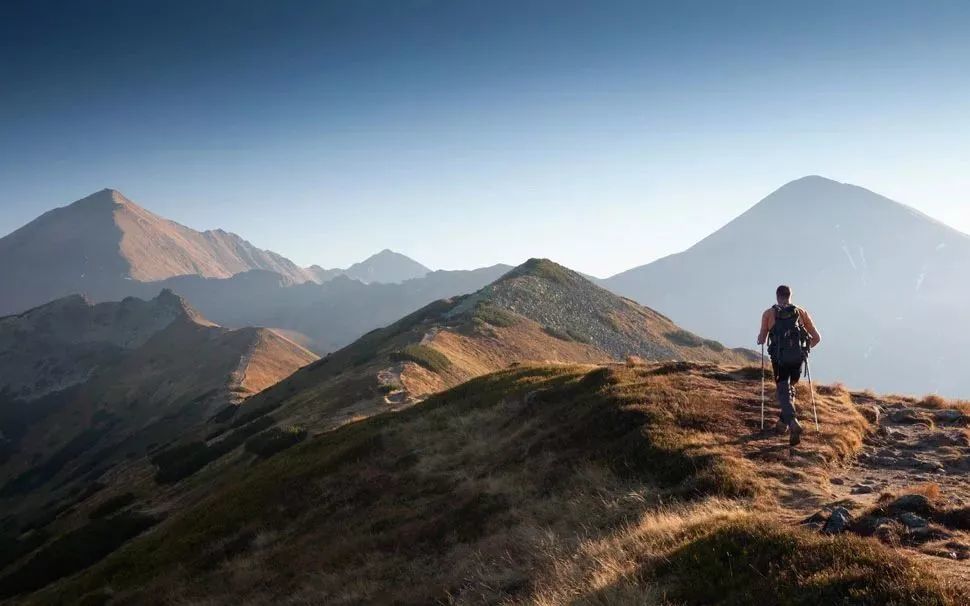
x: 98, y: 244
x: 877, y: 276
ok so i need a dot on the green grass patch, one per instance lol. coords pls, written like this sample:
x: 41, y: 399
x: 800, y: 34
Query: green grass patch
x: 422, y: 355
x: 274, y: 440
x: 565, y: 334
x: 496, y: 316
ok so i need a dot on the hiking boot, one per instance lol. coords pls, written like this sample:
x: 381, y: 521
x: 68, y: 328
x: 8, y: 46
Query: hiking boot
x: 796, y: 433
x: 780, y: 427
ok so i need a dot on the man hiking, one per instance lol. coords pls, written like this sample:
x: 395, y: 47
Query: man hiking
x: 790, y: 334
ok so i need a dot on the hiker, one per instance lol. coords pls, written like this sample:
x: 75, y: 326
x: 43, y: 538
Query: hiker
x: 790, y: 334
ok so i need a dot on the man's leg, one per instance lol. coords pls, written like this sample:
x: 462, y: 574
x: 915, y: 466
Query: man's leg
x: 794, y: 427
x: 785, y: 387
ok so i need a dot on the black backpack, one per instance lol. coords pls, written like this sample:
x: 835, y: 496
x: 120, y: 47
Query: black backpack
x: 788, y: 339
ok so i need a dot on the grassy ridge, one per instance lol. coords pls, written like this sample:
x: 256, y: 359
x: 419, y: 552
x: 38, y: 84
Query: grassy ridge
x: 518, y: 486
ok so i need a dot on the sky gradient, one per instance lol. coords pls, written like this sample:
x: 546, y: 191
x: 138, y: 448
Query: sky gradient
x: 601, y: 135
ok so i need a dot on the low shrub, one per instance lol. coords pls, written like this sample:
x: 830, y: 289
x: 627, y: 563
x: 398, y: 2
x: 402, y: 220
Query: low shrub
x: 184, y: 460
x: 565, y: 334
x: 685, y: 338
x: 496, y: 316
x: 74, y: 551
x: 112, y: 505
x: 422, y: 355
x: 275, y: 440
x: 714, y: 345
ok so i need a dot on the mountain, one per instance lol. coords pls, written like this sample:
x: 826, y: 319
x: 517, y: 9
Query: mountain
x: 386, y: 267
x: 83, y: 387
x: 97, y: 243
x: 884, y: 283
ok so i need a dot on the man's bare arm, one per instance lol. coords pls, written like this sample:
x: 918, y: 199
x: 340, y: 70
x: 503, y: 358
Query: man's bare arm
x: 812, y: 332
x: 763, y: 334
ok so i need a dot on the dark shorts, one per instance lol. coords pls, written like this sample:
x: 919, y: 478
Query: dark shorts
x: 786, y: 372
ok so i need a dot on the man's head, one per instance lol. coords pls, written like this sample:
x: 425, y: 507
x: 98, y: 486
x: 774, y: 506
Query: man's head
x: 783, y: 294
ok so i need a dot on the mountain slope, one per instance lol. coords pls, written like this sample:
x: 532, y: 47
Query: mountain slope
x: 539, y: 311
x: 77, y: 403
x: 95, y: 244
x: 877, y: 276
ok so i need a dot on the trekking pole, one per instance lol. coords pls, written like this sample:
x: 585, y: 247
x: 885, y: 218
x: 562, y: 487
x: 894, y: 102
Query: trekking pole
x: 811, y: 388
x: 762, y: 386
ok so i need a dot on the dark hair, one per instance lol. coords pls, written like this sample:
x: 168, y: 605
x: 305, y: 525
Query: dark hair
x: 783, y: 292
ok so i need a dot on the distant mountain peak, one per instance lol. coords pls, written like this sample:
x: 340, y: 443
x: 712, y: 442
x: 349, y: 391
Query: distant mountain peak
x: 387, y: 266
x: 178, y: 306
x: 100, y: 242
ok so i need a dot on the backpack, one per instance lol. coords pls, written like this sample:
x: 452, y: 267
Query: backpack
x: 788, y: 339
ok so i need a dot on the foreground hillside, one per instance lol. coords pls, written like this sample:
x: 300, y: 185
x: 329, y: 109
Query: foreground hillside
x: 546, y: 484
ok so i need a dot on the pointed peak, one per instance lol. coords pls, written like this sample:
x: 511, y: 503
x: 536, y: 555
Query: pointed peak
x: 813, y: 183
x: 544, y: 269
x: 104, y: 198
x: 387, y: 253
x: 387, y: 266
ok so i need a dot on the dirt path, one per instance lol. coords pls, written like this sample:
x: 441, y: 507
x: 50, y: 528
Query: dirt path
x: 914, y: 445
x: 915, y: 449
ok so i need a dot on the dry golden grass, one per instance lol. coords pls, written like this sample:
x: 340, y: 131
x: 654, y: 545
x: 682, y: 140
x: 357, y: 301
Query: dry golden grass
x: 634, y: 361
x: 547, y: 485
x: 939, y: 402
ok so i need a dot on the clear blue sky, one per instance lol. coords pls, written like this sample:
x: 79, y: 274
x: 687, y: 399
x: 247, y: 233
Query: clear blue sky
x: 599, y: 134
